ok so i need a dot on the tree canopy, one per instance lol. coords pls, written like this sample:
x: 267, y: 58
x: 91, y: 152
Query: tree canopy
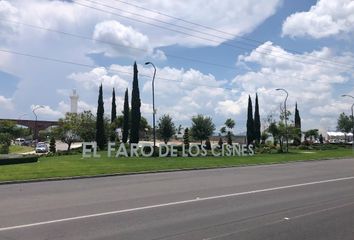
x: 202, y: 127
x: 135, y: 112
x: 344, y: 123
x: 166, y: 128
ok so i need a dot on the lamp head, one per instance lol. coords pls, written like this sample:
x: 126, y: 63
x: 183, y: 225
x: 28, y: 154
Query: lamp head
x: 147, y: 63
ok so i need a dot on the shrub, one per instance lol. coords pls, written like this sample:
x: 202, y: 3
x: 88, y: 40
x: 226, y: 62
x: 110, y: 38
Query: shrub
x: 207, y: 144
x: 18, y: 159
x: 4, y: 149
x: 5, y: 141
x: 52, y: 147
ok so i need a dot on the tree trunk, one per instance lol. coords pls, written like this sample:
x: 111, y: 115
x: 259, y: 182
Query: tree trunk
x: 69, y: 145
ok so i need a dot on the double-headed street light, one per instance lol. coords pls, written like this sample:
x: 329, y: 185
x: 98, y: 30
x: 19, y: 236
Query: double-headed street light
x: 346, y: 95
x: 22, y: 115
x: 35, y: 123
x: 153, y: 102
x: 285, y: 118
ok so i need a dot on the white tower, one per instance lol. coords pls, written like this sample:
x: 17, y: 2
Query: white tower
x: 74, y: 98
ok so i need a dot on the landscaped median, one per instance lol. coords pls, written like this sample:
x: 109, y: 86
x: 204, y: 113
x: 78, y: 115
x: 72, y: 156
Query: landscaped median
x: 75, y: 165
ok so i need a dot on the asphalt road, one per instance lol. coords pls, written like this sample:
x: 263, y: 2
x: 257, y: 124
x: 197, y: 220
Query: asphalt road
x: 308, y: 200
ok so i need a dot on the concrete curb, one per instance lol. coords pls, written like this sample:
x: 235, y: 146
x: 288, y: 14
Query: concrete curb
x: 161, y: 171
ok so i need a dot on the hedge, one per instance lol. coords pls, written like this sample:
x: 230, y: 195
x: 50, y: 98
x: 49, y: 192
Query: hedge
x: 17, y: 159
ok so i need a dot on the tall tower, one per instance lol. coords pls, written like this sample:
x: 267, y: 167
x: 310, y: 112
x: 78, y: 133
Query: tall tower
x: 74, y: 98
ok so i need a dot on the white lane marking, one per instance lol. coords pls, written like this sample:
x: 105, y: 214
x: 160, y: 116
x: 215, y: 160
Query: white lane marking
x: 175, y: 203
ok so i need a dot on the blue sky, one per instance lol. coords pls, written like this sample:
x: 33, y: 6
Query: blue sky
x: 315, y: 76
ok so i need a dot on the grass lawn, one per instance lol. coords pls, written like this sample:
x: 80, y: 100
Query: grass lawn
x: 20, y: 149
x: 75, y: 165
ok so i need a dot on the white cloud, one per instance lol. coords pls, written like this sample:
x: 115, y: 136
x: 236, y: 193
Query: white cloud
x: 226, y: 16
x: 326, y: 18
x: 6, y: 103
x: 8, y: 12
x: 309, y: 83
x: 46, y: 111
x: 93, y: 79
x: 159, y: 55
x: 124, y: 40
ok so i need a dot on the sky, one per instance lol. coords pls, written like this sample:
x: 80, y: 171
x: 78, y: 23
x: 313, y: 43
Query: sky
x: 210, y: 56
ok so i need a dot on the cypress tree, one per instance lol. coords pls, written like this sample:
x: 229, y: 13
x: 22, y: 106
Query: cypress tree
x: 136, y: 103
x: 229, y: 138
x: 207, y: 144
x: 126, y: 118
x: 186, y: 138
x: 114, y: 107
x: 297, y: 120
x: 250, y: 122
x: 100, y: 134
x: 257, y: 122
x: 220, y: 143
x: 52, y: 147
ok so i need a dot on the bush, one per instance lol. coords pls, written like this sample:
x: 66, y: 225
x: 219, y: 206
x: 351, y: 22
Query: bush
x: 52, y: 147
x: 5, y: 141
x: 207, y: 144
x: 18, y: 159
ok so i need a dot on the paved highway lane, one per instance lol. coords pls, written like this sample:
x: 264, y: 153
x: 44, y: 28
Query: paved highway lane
x: 309, y: 200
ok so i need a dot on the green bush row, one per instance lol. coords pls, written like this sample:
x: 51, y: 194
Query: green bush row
x: 18, y: 159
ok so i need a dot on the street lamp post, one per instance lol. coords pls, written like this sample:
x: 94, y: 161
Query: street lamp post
x: 346, y: 95
x: 285, y: 117
x: 35, y: 135
x: 153, y: 103
x: 22, y: 115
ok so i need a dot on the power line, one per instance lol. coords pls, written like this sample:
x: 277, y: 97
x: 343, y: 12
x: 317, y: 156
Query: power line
x: 111, y: 43
x: 135, y: 48
x: 220, y: 31
x: 96, y: 66
x: 123, y: 72
x: 195, y: 36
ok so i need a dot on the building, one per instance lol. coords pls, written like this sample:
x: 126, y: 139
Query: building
x: 74, y: 99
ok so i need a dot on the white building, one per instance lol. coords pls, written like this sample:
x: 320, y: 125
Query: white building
x: 339, y: 137
x: 74, y: 99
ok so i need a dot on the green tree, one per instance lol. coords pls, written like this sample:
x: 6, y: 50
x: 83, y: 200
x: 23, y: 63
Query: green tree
x: 10, y: 128
x: 229, y: 123
x: 126, y: 117
x: 166, y: 128
x: 312, y: 134
x: 186, y: 137
x: 52, y: 147
x: 250, y: 122
x: 344, y: 123
x: 114, y: 107
x: 223, y: 130
x: 179, y: 130
x: 257, y: 122
x: 229, y: 138
x: 264, y: 137
x: 220, y: 143
x: 5, y: 141
x: 112, y: 128
x: 297, y: 121
x: 75, y: 127
x: 202, y: 127
x: 86, y: 128
x: 135, y: 113
x: 278, y: 132
x: 100, y: 126
x: 207, y: 144
x: 67, y: 130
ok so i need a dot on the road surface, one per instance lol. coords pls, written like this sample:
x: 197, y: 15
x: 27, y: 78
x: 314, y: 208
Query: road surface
x: 306, y: 200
